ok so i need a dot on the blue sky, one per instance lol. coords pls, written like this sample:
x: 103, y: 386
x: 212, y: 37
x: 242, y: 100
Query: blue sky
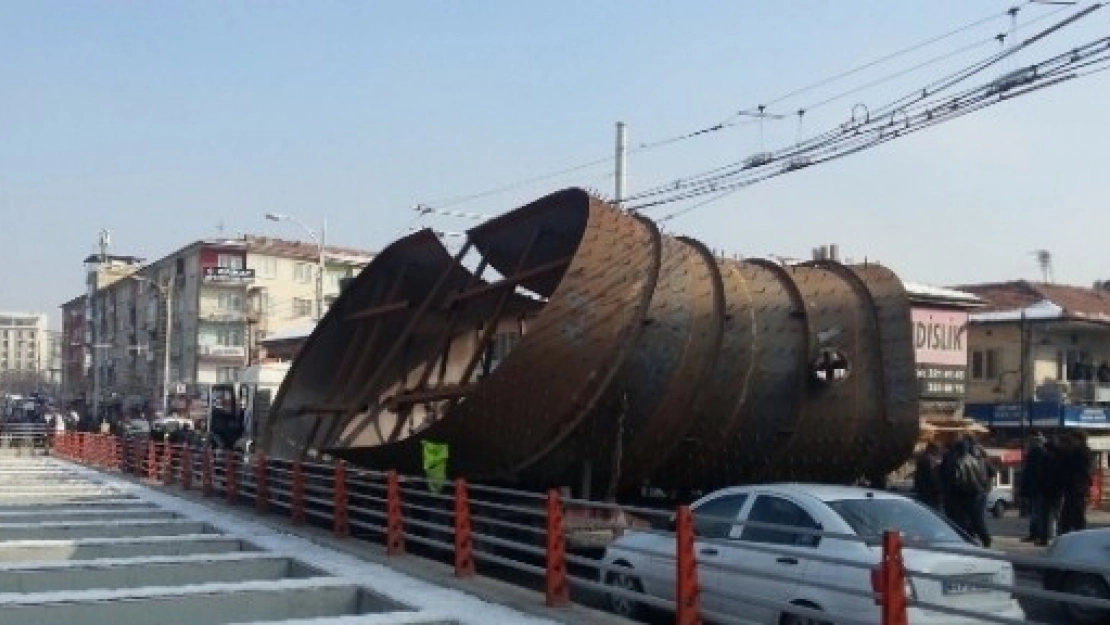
x: 162, y: 120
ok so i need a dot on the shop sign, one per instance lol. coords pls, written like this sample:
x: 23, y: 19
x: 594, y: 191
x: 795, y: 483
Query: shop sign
x: 940, y: 351
x: 228, y: 274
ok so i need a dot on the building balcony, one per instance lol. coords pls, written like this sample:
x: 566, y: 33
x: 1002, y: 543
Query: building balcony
x: 222, y: 352
x: 222, y: 316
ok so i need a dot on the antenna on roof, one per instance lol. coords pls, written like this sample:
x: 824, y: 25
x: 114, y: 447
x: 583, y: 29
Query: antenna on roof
x: 1044, y: 260
x: 105, y: 240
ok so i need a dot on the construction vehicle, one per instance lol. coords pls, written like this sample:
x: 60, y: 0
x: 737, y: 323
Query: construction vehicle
x: 237, y: 411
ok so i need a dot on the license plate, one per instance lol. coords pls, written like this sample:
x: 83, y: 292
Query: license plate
x: 965, y: 585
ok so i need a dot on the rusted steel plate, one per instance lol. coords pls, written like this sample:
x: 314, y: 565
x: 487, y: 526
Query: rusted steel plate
x: 647, y: 406
x: 635, y: 358
x: 836, y: 408
x: 893, y: 437
x: 767, y: 374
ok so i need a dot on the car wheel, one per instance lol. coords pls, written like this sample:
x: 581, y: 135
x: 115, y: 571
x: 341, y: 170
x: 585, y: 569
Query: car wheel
x: 621, y: 604
x: 999, y: 509
x: 1085, y: 586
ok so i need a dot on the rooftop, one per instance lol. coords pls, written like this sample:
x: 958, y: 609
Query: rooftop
x: 304, y: 249
x: 1009, y: 301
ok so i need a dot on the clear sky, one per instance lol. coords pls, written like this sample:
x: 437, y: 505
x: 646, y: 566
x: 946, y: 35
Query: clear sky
x: 162, y: 121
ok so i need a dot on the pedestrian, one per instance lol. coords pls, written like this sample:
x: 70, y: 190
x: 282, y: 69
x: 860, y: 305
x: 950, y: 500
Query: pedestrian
x: 1031, y: 485
x: 984, y: 472
x: 965, y: 482
x: 1076, y: 475
x: 926, y: 477
x: 1051, y: 486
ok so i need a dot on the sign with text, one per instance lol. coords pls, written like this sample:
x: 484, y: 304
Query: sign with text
x: 228, y: 274
x: 939, y: 336
x: 940, y: 350
x: 941, y: 381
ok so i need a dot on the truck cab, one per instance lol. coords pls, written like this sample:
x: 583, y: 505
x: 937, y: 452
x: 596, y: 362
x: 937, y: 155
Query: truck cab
x: 237, y: 411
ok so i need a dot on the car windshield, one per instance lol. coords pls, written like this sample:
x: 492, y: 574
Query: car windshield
x: 138, y: 426
x: 871, y: 517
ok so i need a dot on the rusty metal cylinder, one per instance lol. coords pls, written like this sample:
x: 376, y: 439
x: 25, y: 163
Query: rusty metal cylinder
x: 571, y: 343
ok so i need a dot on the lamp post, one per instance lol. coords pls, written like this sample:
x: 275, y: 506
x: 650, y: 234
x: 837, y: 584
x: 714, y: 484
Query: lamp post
x: 319, y: 238
x: 166, y: 291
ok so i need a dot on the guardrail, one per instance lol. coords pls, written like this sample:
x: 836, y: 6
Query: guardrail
x: 542, y: 540
x: 25, y: 436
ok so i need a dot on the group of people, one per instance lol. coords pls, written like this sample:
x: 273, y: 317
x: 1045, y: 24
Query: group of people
x: 956, y: 482
x: 1056, y: 481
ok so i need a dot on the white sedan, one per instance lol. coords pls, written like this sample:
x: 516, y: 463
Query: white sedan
x: 1089, y: 548
x: 767, y: 569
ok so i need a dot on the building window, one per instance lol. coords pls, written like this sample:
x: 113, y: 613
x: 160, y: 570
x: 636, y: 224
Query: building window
x: 229, y: 301
x: 266, y: 266
x: 302, y: 272
x: 302, y: 307
x: 227, y: 374
x: 229, y: 337
x: 231, y: 261
x: 984, y: 364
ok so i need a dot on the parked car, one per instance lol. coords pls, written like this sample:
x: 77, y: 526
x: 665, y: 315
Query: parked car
x: 999, y: 500
x: 778, y: 570
x: 1088, y: 547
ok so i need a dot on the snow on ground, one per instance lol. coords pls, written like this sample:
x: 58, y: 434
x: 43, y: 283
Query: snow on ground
x: 430, y: 603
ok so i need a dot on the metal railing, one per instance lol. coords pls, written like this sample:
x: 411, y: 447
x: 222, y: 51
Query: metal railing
x: 25, y: 437
x: 534, y: 539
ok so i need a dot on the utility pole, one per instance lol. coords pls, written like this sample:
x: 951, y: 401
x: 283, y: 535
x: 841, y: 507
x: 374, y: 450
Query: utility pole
x: 104, y: 240
x: 621, y: 156
x: 167, y: 295
x: 321, y: 267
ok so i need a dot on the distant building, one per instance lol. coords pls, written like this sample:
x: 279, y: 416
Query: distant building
x: 24, y: 351
x: 225, y: 295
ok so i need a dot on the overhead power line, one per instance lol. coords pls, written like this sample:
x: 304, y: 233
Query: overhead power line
x: 754, y: 114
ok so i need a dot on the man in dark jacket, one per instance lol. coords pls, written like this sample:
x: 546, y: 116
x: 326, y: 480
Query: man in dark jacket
x: 1050, y: 484
x: 1029, y: 488
x: 1075, y: 461
x: 926, y: 477
x: 966, y: 483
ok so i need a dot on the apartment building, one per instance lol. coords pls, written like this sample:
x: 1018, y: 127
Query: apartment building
x: 24, y: 351
x: 222, y: 296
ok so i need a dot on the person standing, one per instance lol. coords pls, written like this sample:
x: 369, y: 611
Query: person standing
x: 965, y: 482
x: 984, y: 474
x: 1031, y: 485
x: 1051, y: 486
x: 1076, y: 473
x: 926, y: 477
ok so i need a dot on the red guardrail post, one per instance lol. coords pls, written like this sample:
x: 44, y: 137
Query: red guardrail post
x: 339, y: 507
x: 117, y: 455
x: 892, y: 586
x: 206, y: 473
x: 186, y: 467
x: 167, y: 462
x: 231, y: 468
x: 464, y: 542
x: 394, y: 533
x: 296, y: 506
x: 261, y: 488
x: 688, y: 597
x: 557, y: 590
x: 151, y: 461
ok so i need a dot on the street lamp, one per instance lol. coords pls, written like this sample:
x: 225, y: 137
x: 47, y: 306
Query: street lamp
x: 318, y: 237
x: 166, y: 291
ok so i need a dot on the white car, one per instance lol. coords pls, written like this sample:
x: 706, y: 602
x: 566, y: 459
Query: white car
x: 643, y: 562
x: 1088, y: 547
x: 999, y: 500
